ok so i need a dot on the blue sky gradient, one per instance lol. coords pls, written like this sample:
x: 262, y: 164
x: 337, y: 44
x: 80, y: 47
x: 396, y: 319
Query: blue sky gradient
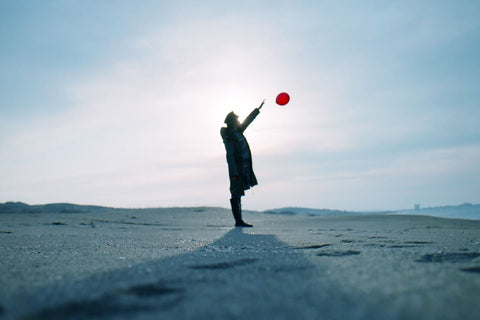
x: 120, y: 103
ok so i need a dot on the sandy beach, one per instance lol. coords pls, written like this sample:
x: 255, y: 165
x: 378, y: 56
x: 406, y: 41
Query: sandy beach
x: 190, y: 263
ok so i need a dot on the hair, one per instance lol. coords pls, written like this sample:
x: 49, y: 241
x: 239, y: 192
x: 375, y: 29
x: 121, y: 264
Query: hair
x: 231, y: 118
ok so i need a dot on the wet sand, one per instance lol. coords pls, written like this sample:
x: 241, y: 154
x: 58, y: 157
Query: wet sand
x: 190, y: 263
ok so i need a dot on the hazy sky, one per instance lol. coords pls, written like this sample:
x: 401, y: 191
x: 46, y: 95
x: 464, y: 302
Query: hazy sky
x: 120, y: 103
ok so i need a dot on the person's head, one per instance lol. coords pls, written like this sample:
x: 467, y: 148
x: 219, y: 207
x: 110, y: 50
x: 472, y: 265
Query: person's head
x: 232, y: 120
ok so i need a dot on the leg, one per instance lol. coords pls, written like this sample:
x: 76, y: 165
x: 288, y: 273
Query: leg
x: 235, y: 201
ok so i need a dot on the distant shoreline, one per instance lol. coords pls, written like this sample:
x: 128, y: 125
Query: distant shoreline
x: 463, y: 211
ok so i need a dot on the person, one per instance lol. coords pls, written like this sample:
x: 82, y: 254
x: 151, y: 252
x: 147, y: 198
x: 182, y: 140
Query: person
x: 239, y: 159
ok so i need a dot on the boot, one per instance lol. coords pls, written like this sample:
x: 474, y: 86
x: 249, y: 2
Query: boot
x: 237, y: 214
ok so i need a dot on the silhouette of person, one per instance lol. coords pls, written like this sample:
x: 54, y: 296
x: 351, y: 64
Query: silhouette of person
x: 239, y: 159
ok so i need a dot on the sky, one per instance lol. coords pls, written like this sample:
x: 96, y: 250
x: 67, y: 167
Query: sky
x: 120, y: 103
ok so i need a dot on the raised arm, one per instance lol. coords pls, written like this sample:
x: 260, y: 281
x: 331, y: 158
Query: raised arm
x: 251, y: 117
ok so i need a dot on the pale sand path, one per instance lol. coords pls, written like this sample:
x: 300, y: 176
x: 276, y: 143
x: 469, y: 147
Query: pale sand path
x: 191, y: 264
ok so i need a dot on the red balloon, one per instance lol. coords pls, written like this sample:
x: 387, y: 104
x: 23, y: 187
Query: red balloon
x: 283, y: 98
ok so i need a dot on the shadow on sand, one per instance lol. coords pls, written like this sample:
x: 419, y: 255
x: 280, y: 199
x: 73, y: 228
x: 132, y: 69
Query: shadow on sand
x: 240, y: 275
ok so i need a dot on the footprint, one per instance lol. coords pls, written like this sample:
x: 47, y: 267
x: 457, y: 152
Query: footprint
x: 338, y: 253
x: 315, y: 246
x: 418, y: 242
x: 449, y: 257
x: 404, y: 246
x: 472, y: 269
x: 118, y: 302
x: 153, y: 289
x: 225, y: 265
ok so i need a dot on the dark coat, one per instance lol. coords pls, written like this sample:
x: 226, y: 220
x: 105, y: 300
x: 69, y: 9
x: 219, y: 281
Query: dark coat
x: 232, y: 147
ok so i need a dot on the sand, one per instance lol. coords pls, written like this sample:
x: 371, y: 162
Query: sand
x: 190, y: 263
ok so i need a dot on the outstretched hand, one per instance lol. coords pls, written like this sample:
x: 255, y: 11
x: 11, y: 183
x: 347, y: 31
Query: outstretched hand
x: 261, y: 105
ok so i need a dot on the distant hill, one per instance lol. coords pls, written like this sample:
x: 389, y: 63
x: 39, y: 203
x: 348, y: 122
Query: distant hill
x: 310, y: 212
x: 20, y: 207
x: 463, y: 211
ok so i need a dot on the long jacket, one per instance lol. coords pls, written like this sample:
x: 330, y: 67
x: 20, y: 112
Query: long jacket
x: 234, y: 160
